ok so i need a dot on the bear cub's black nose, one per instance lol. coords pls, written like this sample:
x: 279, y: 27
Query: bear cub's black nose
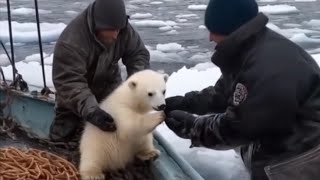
x: 162, y: 107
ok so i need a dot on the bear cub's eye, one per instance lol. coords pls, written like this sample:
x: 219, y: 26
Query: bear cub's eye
x: 150, y: 94
x: 164, y: 92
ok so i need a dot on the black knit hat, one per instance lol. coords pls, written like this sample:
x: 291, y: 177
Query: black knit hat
x: 109, y: 14
x: 225, y: 16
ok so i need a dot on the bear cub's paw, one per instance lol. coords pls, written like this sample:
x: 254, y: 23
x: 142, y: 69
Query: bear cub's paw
x: 158, y: 116
x: 91, y: 176
x: 149, y: 155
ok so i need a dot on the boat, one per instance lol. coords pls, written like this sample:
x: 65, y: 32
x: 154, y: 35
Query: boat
x: 32, y: 109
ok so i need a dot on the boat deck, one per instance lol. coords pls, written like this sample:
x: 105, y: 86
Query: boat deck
x: 34, y: 114
x: 137, y: 171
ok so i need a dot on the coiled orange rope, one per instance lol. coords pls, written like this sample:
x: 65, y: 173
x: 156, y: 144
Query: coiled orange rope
x: 32, y: 164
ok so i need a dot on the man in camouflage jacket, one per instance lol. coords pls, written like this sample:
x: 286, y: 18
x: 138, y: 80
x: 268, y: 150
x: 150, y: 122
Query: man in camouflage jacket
x: 85, y: 65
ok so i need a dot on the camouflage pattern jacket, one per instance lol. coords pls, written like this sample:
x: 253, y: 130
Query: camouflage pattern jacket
x: 85, y: 71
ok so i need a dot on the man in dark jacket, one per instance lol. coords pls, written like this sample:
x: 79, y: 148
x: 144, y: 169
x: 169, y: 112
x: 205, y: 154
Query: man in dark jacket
x: 267, y: 101
x: 85, y: 65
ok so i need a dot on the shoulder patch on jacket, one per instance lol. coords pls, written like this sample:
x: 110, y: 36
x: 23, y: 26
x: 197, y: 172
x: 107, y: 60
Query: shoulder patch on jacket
x: 240, y: 94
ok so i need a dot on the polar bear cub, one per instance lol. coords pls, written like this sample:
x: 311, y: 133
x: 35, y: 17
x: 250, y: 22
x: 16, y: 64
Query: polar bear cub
x: 131, y: 106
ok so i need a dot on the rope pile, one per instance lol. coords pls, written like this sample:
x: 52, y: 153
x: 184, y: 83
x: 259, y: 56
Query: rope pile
x: 31, y: 164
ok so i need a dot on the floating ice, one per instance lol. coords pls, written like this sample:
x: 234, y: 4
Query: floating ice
x: 27, y: 32
x: 169, y: 47
x: 202, y: 27
x: 186, y: 15
x: 197, y: 7
x: 71, y: 12
x: 141, y: 16
x: 156, y: 2
x: 278, y: 9
x: 25, y: 11
x: 153, y: 23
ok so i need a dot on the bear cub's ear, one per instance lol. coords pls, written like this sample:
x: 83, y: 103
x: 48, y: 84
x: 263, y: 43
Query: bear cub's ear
x: 132, y: 84
x: 165, y: 77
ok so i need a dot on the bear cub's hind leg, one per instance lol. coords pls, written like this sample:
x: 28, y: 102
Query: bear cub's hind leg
x: 148, y: 152
x: 92, y: 160
x: 92, y: 176
x: 91, y: 172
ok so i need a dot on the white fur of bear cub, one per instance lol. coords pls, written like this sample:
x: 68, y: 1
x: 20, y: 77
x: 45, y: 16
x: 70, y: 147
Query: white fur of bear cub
x: 130, y: 105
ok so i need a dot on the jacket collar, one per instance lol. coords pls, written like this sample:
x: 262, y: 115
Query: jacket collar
x: 228, y: 52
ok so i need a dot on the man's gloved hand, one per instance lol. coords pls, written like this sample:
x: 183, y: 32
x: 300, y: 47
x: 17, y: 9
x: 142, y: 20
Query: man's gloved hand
x: 102, y: 120
x: 181, y: 123
x: 174, y: 103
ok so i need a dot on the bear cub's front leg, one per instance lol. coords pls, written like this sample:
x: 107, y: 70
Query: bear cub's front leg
x: 151, y: 120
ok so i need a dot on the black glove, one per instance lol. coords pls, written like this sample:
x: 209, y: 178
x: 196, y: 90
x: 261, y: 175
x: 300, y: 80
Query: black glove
x: 181, y: 123
x: 174, y: 103
x: 102, y: 120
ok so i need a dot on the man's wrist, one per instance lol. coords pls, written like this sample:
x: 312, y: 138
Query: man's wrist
x: 88, y: 113
x: 195, y: 133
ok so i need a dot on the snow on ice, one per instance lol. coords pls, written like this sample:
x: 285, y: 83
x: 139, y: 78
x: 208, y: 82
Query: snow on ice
x: 47, y: 59
x: 295, y: 34
x: 31, y: 73
x: 301, y: 38
x: 313, y: 23
x: 4, y: 61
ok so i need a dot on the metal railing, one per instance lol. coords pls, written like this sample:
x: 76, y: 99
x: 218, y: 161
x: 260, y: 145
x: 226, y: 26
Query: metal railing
x: 17, y: 78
